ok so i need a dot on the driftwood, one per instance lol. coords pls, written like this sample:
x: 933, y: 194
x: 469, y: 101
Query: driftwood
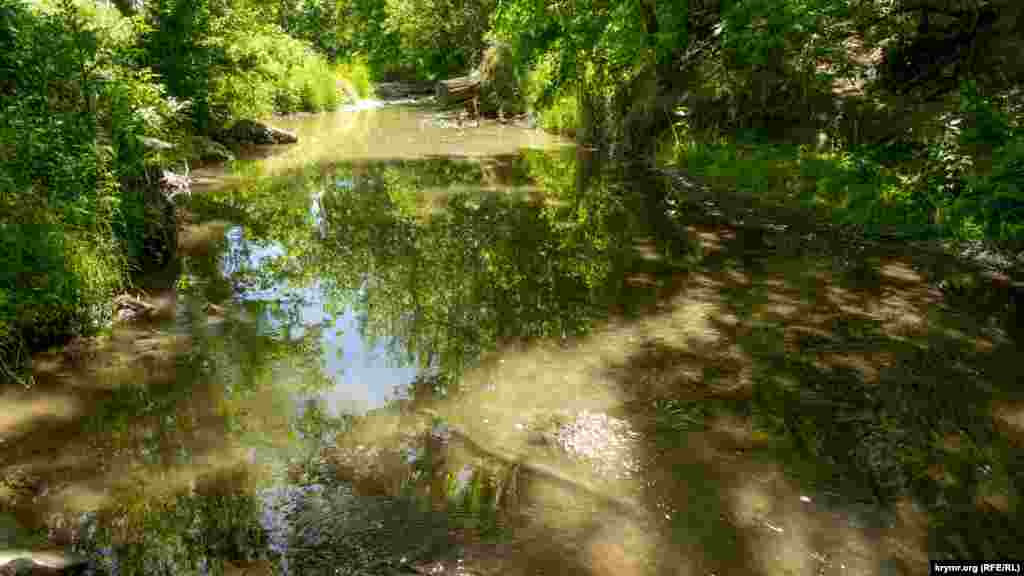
x: 461, y: 90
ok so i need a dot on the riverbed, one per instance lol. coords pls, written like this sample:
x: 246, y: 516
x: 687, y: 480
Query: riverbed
x: 472, y: 348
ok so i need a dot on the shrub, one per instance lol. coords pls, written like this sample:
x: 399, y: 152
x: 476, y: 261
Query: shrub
x: 69, y: 148
x: 558, y: 112
x: 356, y: 72
x: 499, y: 88
x: 994, y: 201
x: 249, y: 68
x: 319, y: 85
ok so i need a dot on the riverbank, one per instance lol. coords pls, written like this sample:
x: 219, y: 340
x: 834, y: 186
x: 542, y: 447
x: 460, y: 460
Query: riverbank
x: 624, y: 341
x: 103, y: 120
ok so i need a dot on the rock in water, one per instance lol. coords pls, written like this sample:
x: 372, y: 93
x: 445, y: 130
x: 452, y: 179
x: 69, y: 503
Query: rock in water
x: 252, y: 132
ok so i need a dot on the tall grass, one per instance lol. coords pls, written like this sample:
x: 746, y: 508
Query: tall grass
x: 287, y: 76
x: 960, y: 179
x: 68, y: 145
x: 856, y: 189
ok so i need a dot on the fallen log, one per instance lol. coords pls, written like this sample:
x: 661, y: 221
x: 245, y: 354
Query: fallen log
x: 397, y: 90
x: 458, y: 90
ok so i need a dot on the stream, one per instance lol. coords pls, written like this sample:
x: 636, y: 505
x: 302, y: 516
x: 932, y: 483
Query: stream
x: 416, y: 344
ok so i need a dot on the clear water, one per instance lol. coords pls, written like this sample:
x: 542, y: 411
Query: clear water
x: 482, y: 320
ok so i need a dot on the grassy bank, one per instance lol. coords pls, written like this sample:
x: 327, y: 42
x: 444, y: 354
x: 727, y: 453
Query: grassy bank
x: 83, y: 87
x: 962, y: 185
x: 856, y: 189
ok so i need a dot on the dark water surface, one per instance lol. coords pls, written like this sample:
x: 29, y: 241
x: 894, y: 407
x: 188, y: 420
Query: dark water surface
x: 409, y: 345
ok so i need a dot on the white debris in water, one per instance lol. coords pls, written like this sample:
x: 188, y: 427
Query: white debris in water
x: 362, y: 105
x: 606, y: 443
x: 805, y: 499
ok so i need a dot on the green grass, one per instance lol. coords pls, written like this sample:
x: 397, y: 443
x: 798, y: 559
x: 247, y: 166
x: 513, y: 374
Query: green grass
x: 856, y: 190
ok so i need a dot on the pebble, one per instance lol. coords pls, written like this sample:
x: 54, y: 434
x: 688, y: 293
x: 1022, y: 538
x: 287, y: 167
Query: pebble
x: 606, y: 443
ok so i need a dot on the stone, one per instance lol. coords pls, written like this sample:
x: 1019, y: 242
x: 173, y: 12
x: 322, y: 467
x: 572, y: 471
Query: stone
x: 253, y: 132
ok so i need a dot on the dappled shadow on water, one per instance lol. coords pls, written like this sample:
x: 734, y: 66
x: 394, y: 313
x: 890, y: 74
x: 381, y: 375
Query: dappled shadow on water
x: 806, y: 406
x: 131, y: 439
x: 609, y: 380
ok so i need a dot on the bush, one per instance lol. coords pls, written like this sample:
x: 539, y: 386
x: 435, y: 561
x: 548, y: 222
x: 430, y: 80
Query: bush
x: 267, y: 71
x: 849, y: 188
x: 439, y: 38
x: 241, y: 66
x: 994, y: 202
x: 356, y: 73
x: 72, y: 220
x: 558, y: 112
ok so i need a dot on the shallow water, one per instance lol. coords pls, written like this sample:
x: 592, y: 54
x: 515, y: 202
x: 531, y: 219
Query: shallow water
x: 578, y: 369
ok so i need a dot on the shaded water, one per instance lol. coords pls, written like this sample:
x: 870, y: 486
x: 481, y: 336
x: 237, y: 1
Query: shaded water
x: 406, y: 344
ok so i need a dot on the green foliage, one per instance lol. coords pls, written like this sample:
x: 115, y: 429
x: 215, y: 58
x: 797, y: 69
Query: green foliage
x: 994, y: 201
x: 184, y: 27
x: 500, y: 92
x: 439, y: 38
x: 320, y: 23
x: 561, y: 114
x: 272, y: 72
x: 949, y: 189
x: 357, y: 74
x: 69, y: 152
x: 240, y: 65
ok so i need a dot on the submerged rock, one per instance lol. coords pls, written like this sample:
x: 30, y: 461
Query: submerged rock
x: 252, y: 132
x: 24, y: 567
